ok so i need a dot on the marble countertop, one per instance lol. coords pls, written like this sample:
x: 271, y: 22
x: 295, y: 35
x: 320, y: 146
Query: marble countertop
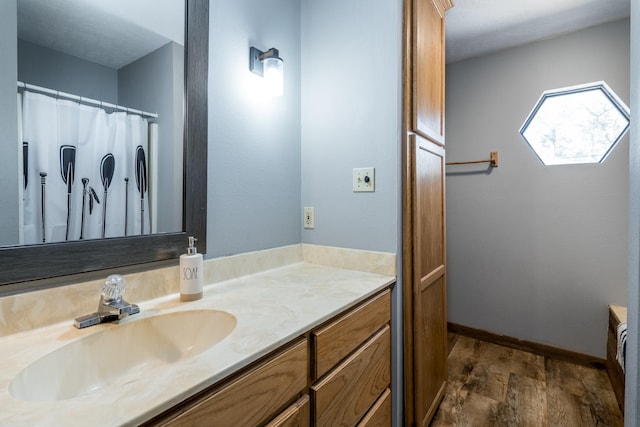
x: 272, y: 308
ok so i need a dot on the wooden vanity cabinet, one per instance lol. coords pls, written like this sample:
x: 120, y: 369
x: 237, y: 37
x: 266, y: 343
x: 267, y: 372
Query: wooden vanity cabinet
x: 342, y: 336
x: 380, y: 413
x: 297, y: 415
x: 253, y: 398
x: 338, y: 375
x: 352, y: 369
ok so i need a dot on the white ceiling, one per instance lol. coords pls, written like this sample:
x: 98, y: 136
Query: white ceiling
x: 111, y: 33
x: 478, y: 27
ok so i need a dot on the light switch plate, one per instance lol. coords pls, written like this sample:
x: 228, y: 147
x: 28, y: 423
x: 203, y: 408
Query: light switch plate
x: 364, y: 180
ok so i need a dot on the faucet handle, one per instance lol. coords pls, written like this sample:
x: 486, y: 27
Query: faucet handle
x: 113, y: 288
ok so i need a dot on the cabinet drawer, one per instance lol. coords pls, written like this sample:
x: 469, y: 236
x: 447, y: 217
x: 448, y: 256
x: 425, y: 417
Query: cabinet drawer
x: 253, y: 397
x: 348, y: 391
x: 335, y: 341
x: 296, y: 415
x: 380, y: 414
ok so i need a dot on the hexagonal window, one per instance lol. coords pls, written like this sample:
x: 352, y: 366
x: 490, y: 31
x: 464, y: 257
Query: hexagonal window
x: 579, y: 124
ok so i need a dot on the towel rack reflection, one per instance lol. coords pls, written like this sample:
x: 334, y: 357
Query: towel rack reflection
x: 493, y: 161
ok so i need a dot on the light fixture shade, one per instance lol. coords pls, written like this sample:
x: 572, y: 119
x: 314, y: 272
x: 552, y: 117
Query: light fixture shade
x: 274, y: 75
x: 270, y: 66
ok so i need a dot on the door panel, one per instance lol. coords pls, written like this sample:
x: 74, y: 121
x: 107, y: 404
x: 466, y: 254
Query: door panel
x: 429, y: 221
x: 429, y: 279
x: 433, y: 336
x: 428, y: 70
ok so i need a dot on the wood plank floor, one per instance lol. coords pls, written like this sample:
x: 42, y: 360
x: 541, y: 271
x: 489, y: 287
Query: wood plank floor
x: 493, y: 385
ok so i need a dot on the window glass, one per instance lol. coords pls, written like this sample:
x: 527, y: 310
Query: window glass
x: 581, y: 124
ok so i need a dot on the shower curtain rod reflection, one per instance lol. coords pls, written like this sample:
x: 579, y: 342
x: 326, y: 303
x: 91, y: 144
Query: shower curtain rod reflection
x: 82, y: 99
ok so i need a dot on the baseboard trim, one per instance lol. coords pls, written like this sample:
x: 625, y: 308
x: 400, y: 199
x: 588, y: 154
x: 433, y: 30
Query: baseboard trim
x: 530, y: 346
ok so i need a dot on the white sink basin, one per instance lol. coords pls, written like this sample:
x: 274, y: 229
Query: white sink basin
x: 99, y: 359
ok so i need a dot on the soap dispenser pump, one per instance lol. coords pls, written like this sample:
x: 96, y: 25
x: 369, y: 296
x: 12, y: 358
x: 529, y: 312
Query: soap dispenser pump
x: 191, y: 273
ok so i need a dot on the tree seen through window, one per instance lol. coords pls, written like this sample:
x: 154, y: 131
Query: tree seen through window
x: 581, y: 124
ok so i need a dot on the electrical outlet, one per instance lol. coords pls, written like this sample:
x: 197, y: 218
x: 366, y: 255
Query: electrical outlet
x: 309, y: 220
x: 364, y: 180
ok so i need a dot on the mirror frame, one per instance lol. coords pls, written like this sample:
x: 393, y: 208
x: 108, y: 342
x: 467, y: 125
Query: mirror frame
x: 19, y: 264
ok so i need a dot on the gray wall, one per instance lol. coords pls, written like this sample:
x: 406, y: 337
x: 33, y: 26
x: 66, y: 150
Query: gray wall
x: 269, y: 157
x: 535, y: 252
x: 42, y: 66
x: 9, y: 197
x: 254, y: 141
x: 351, y: 61
x: 631, y: 381
x: 155, y: 83
x: 351, y: 111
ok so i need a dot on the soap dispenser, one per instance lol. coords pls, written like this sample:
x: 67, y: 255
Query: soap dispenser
x: 191, y: 273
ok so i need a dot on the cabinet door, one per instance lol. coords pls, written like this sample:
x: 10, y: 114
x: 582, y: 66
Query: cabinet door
x: 335, y: 341
x: 296, y: 415
x: 429, y: 279
x: 424, y: 250
x: 428, y: 69
x: 252, y: 398
x: 380, y: 413
x: 347, y: 392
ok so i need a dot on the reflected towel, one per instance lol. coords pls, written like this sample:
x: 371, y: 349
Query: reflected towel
x: 622, y: 343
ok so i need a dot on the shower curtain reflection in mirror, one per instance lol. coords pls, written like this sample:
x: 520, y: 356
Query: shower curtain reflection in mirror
x: 86, y: 171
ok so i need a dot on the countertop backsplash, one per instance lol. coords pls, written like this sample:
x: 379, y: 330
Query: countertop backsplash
x: 31, y: 310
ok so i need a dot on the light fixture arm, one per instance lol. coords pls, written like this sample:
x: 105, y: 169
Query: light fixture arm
x: 271, y: 53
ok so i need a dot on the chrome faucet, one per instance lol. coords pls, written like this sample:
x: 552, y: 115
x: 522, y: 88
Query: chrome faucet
x: 111, y: 306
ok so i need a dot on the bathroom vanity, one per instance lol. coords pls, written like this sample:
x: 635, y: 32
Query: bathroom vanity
x: 348, y: 361
x: 296, y: 344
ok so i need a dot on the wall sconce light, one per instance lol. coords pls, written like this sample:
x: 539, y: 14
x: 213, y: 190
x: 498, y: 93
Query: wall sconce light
x: 270, y: 66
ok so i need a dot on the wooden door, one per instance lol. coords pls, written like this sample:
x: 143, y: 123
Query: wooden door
x: 429, y: 279
x: 424, y: 237
x: 428, y: 69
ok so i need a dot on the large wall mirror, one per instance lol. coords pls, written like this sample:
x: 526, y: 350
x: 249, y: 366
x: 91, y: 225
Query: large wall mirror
x: 103, y: 111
